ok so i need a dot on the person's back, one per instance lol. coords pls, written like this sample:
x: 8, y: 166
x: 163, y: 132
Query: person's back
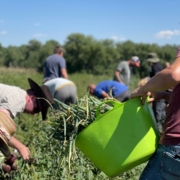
x: 52, y: 66
x: 12, y: 98
x: 55, y: 65
x: 159, y: 107
x: 124, y: 72
x: 118, y: 90
x: 155, y: 68
x: 63, y: 90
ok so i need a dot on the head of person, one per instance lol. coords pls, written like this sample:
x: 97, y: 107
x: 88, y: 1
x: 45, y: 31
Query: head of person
x: 38, y: 99
x: 135, y: 61
x: 59, y: 50
x: 152, y: 58
x: 91, y: 88
x: 143, y: 81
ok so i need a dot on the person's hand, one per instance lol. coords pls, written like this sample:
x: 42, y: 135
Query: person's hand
x: 108, y: 98
x: 24, y: 152
x: 121, y: 82
x: 22, y: 149
x: 138, y: 92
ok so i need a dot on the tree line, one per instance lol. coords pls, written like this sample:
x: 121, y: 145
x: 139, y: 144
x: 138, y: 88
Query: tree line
x: 85, y: 54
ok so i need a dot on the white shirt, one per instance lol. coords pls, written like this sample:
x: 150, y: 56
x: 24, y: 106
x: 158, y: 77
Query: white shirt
x: 12, y: 98
x: 57, y: 83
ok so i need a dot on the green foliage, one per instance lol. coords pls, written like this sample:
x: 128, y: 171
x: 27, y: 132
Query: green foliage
x: 85, y: 54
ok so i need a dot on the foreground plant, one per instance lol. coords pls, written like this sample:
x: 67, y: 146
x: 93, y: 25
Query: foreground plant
x: 52, y: 144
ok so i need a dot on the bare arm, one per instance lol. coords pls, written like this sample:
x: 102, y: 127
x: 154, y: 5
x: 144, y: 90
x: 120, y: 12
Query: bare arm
x: 64, y: 73
x: 23, y: 150
x: 118, y: 76
x: 164, y: 80
x: 104, y: 94
x: 14, y: 143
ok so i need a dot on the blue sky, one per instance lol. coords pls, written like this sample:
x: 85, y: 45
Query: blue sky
x: 141, y: 21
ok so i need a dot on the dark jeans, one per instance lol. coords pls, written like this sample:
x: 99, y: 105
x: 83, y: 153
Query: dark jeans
x: 163, y: 165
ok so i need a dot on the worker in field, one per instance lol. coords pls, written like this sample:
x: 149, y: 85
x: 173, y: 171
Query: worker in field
x: 63, y: 90
x: 165, y: 162
x: 158, y: 106
x: 55, y: 65
x: 109, y: 88
x: 14, y: 100
x: 122, y: 73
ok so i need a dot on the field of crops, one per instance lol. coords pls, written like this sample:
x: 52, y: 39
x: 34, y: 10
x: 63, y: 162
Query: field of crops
x: 52, y: 156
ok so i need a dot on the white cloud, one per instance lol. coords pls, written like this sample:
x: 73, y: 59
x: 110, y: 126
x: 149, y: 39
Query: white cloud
x: 3, y: 32
x: 167, y: 34
x: 37, y: 24
x: 115, y: 38
x: 39, y: 35
x: 122, y: 39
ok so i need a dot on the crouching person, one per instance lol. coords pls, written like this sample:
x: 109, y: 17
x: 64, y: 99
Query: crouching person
x: 108, y: 88
x: 63, y: 90
x: 13, y: 101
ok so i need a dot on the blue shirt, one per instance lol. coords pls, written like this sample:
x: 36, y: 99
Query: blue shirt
x: 115, y: 87
x: 53, y: 65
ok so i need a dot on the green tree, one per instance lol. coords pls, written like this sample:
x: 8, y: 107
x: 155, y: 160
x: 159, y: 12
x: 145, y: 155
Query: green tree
x: 46, y: 50
x: 85, y: 54
x: 2, y: 55
x: 32, y: 55
x: 13, y: 56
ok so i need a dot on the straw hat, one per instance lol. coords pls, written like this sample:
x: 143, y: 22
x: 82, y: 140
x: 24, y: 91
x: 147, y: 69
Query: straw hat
x: 7, y: 129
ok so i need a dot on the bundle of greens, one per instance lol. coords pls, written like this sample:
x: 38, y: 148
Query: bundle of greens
x: 68, y: 121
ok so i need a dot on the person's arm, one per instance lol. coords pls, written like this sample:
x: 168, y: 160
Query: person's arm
x: 14, y: 143
x: 104, y: 94
x: 164, y: 80
x: 23, y: 150
x: 117, y: 75
x: 44, y: 72
x: 162, y: 95
x: 64, y: 73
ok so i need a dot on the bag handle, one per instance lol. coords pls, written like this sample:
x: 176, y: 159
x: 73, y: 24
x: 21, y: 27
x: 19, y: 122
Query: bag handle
x: 113, y: 102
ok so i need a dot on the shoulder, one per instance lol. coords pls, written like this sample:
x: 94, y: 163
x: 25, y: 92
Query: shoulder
x: 122, y: 65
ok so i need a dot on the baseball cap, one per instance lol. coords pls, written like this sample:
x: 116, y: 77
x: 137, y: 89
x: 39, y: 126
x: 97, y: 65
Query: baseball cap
x: 152, y: 57
x: 136, y: 60
x: 43, y: 95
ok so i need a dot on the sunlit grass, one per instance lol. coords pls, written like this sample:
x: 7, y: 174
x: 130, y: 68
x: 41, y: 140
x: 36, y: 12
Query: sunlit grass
x: 18, y: 77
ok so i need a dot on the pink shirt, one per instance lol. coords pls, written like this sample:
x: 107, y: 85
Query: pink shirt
x: 171, y: 132
x: 178, y: 53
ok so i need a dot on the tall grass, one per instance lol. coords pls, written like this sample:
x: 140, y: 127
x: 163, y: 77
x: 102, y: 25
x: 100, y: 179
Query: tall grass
x: 18, y: 77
